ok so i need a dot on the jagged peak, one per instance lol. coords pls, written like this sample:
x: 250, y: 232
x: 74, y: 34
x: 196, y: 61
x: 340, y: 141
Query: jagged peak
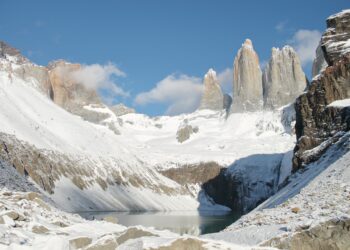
x: 58, y: 62
x: 7, y: 51
x: 248, y: 44
x: 211, y: 73
x: 285, y: 48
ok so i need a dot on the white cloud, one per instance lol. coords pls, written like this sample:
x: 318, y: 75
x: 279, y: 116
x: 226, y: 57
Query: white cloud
x: 225, y: 79
x: 305, y: 43
x: 98, y: 77
x: 180, y: 93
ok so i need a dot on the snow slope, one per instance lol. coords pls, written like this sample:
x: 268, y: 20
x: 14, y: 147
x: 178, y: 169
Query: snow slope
x: 32, y: 117
x: 218, y: 139
x: 318, y: 193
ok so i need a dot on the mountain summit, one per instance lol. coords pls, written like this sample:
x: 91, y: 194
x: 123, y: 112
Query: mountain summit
x: 247, y: 81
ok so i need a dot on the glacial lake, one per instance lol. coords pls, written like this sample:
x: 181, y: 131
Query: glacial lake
x: 181, y: 222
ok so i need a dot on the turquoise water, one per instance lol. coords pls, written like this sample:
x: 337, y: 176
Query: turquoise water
x: 182, y: 222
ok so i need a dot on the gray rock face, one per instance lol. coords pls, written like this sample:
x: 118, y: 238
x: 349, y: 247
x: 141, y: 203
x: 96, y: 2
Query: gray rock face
x: 247, y: 80
x: 120, y: 109
x: 212, y: 97
x: 184, y: 131
x: 319, y: 63
x: 227, y: 102
x: 283, y: 78
x: 335, y: 42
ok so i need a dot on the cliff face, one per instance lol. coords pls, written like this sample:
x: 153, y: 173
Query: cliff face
x: 318, y: 122
x: 212, y: 97
x: 72, y: 95
x: 247, y: 80
x: 283, y: 78
x: 335, y: 41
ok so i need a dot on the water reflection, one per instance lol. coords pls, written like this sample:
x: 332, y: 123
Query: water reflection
x: 182, y: 222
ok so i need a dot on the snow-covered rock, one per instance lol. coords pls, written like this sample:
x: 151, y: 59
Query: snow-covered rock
x: 335, y: 42
x: 121, y: 109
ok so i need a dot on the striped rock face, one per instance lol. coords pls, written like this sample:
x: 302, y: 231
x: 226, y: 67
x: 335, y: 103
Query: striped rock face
x: 283, y: 78
x: 212, y: 97
x: 247, y: 80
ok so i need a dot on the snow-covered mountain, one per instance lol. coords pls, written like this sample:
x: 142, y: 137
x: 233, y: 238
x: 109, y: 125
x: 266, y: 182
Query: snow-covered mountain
x: 86, y: 163
x: 83, y: 155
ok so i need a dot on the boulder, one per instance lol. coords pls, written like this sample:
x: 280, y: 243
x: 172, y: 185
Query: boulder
x: 40, y: 230
x: 111, y: 219
x: 105, y: 243
x: 132, y: 233
x: 79, y: 242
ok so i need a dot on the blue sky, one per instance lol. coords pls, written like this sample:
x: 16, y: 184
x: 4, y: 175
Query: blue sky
x: 169, y: 43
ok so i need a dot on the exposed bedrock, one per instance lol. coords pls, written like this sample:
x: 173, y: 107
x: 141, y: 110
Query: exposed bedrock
x: 247, y: 80
x: 315, y: 120
x: 283, y: 78
x: 335, y: 42
x: 212, y: 97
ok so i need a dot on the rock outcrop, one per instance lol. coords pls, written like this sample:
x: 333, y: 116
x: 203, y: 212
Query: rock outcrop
x: 185, y: 131
x: 120, y: 109
x: 6, y: 51
x: 71, y: 94
x: 212, y: 97
x: 316, y: 121
x: 247, y: 80
x: 283, y: 78
x: 335, y: 42
x: 67, y: 91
